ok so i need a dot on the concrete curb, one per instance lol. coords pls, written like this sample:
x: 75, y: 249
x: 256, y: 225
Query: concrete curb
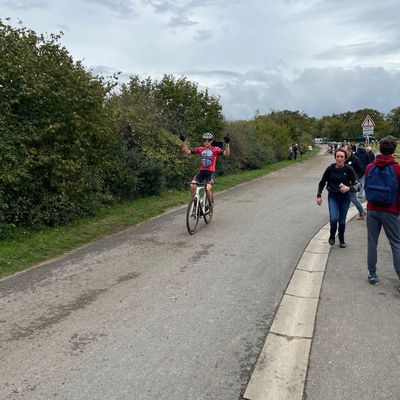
x: 281, y: 368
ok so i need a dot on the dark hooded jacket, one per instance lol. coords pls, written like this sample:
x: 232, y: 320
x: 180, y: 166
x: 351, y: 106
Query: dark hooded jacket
x: 355, y: 162
x: 363, y: 156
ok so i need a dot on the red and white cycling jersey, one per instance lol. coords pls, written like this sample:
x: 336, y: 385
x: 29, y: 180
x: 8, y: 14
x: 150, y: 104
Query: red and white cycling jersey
x: 208, y: 156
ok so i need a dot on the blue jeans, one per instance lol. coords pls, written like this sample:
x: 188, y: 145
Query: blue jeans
x: 338, y: 207
x: 391, y: 225
x: 356, y: 202
x: 362, y: 182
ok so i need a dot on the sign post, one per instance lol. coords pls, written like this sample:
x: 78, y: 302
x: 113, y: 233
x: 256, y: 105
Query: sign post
x: 368, y: 128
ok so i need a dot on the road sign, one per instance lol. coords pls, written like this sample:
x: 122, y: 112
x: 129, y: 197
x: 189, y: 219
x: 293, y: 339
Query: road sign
x: 368, y: 131
x: 368, y: 126
x: 368, y: 121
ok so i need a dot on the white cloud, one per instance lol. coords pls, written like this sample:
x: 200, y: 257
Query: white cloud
x: 122, y: 8
x: 23, y: 4
x: 317, y: 92
x: 203, y: 34
x: 309, y: 55
x: 361, y: 50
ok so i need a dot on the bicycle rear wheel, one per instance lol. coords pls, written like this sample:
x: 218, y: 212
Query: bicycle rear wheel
x: 192, y: 216
x: 208, y: 211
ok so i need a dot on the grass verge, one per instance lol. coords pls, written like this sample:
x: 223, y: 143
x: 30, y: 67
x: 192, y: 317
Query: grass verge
x: 28, y: 248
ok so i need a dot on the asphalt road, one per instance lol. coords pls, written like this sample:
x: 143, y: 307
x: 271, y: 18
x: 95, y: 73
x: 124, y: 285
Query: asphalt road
x: 155, y: 313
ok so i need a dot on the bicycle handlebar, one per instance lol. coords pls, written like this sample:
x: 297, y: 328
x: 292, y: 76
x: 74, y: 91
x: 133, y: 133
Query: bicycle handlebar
x: 187, y: 184
x: 194, y: 183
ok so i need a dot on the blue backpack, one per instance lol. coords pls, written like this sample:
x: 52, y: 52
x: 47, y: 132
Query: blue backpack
x: 381, y: 185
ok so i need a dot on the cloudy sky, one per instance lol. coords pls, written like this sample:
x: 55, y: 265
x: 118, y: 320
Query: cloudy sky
x: 316, y: 56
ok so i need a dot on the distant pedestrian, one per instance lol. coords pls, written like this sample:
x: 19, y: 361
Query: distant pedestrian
x: 339, y: 179
x: 370, y: 154
x: 379, y: 214
x: 290, y: 156
x: 362, y: 154
x: 355, y: 163
x: 295, y: 150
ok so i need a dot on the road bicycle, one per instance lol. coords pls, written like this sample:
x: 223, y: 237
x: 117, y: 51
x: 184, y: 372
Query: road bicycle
x: 198, y: 207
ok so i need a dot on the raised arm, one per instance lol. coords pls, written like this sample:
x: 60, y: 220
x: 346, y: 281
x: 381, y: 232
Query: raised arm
x: 185, y: 148
x: 227, y: 150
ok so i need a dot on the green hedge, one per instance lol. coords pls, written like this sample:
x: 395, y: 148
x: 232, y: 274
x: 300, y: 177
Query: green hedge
x: 72, y: 143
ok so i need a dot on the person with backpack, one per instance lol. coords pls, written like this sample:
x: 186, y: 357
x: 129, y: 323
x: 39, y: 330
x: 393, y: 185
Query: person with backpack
x: 382, y: 182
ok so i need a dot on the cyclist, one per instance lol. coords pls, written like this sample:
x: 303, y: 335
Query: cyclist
x: 208, y: 155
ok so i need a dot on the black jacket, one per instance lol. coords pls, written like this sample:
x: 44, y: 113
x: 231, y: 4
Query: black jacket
x: 355, y: 162
x: 333, y: 177
x: 362, y: 154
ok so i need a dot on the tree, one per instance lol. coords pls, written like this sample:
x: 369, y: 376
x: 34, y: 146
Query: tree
x: 274, y: 137
x: 301, y: 127
x: 333, y: 128
x: 393, y: 119
x: 54, y: 134
x: 347, y: 126
x: 249, y: 151
x: 156, y: 112
x: 188, y: 109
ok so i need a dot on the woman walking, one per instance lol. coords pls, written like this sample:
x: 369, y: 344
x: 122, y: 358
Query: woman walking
x: 339, y: 179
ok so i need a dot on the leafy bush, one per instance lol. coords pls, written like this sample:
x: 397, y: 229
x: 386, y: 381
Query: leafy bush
x: 54, y: 133
x: 69, y: 145
x: 151, y: 177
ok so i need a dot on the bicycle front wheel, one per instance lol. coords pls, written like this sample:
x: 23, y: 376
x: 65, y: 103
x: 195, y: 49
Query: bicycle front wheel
x: 208, y: 211
x: 192, y: 216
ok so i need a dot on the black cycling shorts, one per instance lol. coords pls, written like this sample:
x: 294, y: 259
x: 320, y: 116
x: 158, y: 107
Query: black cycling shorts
x: 207, y: 176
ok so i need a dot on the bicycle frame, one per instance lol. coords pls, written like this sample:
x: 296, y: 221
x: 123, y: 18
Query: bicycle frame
x: 201, y: 198
x: 198, y: 207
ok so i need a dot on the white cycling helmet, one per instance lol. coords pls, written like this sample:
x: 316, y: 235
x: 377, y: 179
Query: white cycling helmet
x: 208, y: 136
